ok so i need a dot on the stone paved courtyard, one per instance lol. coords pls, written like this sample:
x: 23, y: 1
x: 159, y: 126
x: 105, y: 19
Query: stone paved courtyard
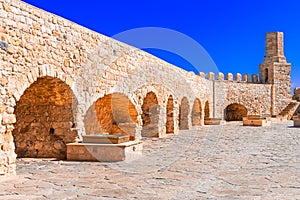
x: 212, y: 162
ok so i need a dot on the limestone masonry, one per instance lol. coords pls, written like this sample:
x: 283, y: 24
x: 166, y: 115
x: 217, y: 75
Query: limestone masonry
x: 60, y: 81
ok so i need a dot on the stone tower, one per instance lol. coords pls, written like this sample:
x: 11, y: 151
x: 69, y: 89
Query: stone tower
x: 276, y: 70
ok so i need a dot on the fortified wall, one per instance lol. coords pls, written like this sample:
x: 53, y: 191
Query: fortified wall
x: 60, y: 81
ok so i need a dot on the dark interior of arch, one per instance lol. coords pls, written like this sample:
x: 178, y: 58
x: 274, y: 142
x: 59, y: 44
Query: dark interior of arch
x: 235, y: 112
x: 196, y: 113
x: 170, y: 116
x: 150, y: 115
x: 45, y: 119
x: 206, y: 110
x: 111, y: 114
x: 184, y: 110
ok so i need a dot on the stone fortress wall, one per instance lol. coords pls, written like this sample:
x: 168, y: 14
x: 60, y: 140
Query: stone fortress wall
x: 60, y: 81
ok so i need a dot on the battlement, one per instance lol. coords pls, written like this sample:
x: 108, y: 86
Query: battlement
x: 245, y: 78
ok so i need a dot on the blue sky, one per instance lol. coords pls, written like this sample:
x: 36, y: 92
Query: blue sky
x: 231, y: 31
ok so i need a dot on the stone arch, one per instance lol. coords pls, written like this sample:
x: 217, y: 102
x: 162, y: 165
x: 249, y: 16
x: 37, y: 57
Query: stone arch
x: 45, y: 119
x: 18, y: 84
x: 235, y: 112
x: 206, y: 110
x: 150, y: 115
x: 112, y: 114
x: 184, y: 111
x: 197, y: 113
x: 170, y: 115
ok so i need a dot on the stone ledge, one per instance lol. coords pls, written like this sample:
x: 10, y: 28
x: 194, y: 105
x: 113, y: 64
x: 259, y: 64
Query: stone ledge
x: 256, y: 121
x: 214, y: 121
x: 104, y: 152
x: 296, y: 120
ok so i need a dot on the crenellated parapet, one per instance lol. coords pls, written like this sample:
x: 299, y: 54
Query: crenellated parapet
x: 239, y: 78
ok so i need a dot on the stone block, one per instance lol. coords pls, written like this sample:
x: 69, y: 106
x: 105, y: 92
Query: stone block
x: 213, y: 121
x: 104, y: 152
x: 256, y: 121
x: 296, y: 120
x: 105, y: 138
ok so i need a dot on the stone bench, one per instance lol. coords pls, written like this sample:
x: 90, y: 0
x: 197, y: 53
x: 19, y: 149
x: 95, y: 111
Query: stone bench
x: 105, y: 138
x: 104, y: 152
x: 256, y: 120
x: 296, y: 120
x: 213, y: 121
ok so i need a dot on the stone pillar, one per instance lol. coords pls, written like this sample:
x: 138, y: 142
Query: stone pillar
x: 201, y: 74
x: 238, y: 77
x: 229, y: 77
x: 254, y: 78
x: 220, y: 76
x: 247, y: 78
x: 211, y: 76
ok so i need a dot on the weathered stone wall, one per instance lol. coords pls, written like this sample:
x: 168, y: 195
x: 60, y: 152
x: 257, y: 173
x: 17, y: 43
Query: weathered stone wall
x: 36, y: 45
x: 40, y: 44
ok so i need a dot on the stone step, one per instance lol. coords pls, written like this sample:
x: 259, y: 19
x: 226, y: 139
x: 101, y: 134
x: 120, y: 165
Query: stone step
x: 289, y: 111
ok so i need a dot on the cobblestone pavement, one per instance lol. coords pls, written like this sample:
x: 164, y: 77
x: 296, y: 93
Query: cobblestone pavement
x: 212, y: 162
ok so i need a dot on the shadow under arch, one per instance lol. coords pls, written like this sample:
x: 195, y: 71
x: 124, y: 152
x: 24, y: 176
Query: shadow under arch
x: 235, y: 112
x: 150, y: 115
x: 45, y: 119
x: 197, y: 113
x: 184, y: 111
x: 206, y: 110
x: 112, y: 114
x: 170, y: 115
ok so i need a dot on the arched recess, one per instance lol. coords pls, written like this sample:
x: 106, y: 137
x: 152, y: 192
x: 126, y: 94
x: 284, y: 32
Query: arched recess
x: 196, y: 113
x: 111, y: 114
x: 45, y: 119
x: 235, y: 112
x: 170, y: 115
x: 184, y: 111
x: 206, y: 110
x: 150, y: 116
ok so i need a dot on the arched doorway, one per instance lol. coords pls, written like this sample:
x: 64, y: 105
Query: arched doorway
x: 196, y: 113
x: 150, y: 115
x: 111, y: 114
x: 206, y: 110
x: 184, y: 111
x: 170, y: 115
x: 45, y: 119
x: 235, y: 112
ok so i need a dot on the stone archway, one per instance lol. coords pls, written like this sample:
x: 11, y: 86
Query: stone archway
x: 150, y: 116
x: 235, y: 112
x: 170, y: 115
x: 45, y: 119
x: 112, y: 114
x: 184, y: 111
x: 206, y: 110
x: 196, y: 113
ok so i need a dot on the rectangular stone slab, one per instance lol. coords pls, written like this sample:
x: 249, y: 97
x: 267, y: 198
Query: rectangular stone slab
x: 104, y: 152
x: 296, y: 121
x: 212, y: 121
x: 105, y: 138
x: 256, y: 122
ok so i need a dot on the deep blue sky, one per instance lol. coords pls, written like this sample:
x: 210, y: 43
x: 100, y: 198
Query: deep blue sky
x: 231, y: 31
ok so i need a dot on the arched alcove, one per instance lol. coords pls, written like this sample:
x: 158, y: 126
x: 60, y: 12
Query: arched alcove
x: 235, y: 112
x: 196, y: 113
x: 45, y: 119
x: 170, y: 115
x: 150, y: 115
x: 111, y: 114
x: 184, y: 110
x: 206, y: 110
